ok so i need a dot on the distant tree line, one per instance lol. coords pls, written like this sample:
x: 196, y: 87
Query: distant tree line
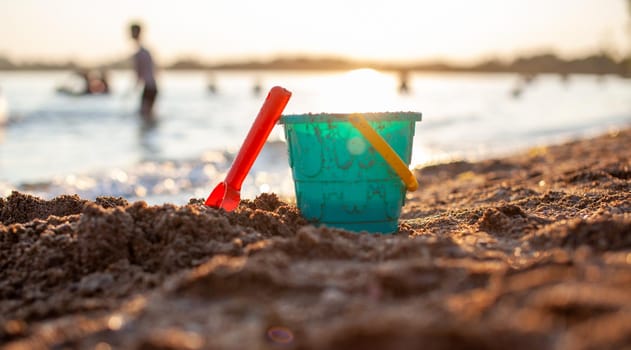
x: 600, y: 63
x: 549, y: 63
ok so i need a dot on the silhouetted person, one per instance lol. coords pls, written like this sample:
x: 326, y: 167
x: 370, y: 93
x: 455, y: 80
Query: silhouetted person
x: 404, y: 88
x: 257, y: 87
x: 145, y: 73
x: 518, y: 90
x: 212, y: 85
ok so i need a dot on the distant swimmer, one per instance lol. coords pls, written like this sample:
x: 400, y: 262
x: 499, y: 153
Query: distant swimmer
x: 96, y: 82
x: 212, y: 84
x: 145, y: 74
x: 92, y: 82
x: 404, y: 88
x: 257, y: 88
x: 4, y: 109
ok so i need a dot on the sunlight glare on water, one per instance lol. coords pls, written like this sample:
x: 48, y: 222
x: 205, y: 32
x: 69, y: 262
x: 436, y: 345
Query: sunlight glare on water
x: 359, y: 90
x: 95, y: 145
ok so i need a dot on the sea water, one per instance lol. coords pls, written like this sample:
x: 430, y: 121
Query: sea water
x: 56, y: 144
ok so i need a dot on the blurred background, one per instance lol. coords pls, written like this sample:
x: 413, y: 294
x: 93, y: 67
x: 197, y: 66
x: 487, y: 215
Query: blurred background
x: 491, y: 77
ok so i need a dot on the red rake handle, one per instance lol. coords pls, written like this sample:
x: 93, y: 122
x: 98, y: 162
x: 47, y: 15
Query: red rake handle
x: 269, y: 114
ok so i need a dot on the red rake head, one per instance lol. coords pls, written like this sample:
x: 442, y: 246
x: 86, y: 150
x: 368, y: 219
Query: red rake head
x: 224, y: 197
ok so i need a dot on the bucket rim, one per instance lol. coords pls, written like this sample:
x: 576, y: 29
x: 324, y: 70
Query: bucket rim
x: 343, y: 117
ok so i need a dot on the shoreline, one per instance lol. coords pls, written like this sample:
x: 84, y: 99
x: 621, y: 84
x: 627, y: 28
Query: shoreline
x: 48, y: 188
x: 524, y: 251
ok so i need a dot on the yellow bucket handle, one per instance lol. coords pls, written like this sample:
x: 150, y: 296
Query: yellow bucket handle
x: 384, y: 149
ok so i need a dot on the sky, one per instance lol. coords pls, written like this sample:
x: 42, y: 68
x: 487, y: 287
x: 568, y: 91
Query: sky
x: 390, y: 30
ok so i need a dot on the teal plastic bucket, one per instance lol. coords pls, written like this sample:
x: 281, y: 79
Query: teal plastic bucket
x: 340, y: 180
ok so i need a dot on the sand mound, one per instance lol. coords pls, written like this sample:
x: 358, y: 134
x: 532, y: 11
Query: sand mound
x: 531, y: 251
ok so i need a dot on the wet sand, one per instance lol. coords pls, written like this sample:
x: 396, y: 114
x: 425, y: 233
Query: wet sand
x: 528, y: 251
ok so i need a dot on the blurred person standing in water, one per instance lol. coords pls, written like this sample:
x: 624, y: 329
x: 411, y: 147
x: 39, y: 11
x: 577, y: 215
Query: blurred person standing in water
x: 145, y: 74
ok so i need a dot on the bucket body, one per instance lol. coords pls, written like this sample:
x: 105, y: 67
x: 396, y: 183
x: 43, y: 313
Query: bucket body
x: 340, y: 180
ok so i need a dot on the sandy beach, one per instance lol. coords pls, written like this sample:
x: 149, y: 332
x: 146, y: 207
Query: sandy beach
x: 528, y: 251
